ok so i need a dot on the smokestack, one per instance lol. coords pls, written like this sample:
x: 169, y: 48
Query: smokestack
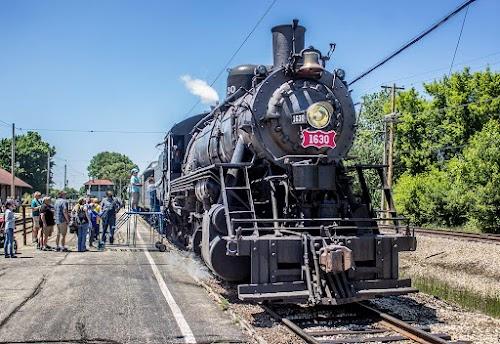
x: 283, y: 42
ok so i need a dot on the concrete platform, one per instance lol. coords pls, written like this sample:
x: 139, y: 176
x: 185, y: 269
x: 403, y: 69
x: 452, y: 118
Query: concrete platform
x: 120, y: 295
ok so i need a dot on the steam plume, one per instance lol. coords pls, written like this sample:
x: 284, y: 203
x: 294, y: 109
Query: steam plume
x: 201, y: 89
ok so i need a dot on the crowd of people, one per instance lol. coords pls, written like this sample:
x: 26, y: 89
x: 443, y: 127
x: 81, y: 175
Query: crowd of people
x: 92, y: 221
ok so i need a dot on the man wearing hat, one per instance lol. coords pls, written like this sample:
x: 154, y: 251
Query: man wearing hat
x: 135, y: 189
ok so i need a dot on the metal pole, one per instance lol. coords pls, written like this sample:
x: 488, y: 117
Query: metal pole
x: 389, y: 139
x: 13, y: 163
x: 128, y: 230
x: 390, y: 152
x: 24, y: 225
x: 65, y: 177
x: 393, y: 117
x: 135, y: 230
x: 48, y: 174
x: 384, y: 162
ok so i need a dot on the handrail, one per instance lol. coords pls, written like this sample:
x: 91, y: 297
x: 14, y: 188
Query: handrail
x: 321, y: 219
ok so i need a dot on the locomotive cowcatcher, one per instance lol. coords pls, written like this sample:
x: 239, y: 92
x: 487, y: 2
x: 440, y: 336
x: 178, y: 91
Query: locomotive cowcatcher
x: 260, y: 188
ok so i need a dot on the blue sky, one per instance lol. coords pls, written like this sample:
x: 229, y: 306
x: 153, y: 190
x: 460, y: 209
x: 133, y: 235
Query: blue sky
x: 117, y: 64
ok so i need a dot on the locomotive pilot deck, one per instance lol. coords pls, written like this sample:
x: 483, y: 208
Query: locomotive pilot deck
x: 279, y: 273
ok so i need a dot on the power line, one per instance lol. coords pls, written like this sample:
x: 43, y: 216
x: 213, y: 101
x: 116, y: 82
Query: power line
x: 480, y: 101
x: 458, y: 41
x: 235, y: 53
x: 411, y: 76
x: 93, y: 131
x: 413, y: 41
x: 5, y: 123
x: 489, y: 64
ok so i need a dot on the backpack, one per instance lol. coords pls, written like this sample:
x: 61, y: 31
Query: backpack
x: 79, y: 216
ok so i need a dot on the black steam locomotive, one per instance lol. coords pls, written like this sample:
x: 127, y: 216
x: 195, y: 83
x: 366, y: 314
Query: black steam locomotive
x: 258, y: 186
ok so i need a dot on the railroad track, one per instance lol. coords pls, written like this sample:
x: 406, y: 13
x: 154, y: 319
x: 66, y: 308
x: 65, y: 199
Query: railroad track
x: 359, y: 323
x: 494, y: 238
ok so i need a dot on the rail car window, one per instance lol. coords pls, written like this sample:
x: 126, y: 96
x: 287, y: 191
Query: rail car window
x: 177, y: 153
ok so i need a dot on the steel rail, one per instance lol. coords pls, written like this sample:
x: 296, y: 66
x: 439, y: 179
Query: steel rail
x: 292, y: 326
x: 403, y: 328
x: 474, y: 236
x: 388, y: 323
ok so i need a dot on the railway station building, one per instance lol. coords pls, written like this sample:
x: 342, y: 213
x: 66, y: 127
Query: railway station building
x: 97, y: 188
x: 21, y: 186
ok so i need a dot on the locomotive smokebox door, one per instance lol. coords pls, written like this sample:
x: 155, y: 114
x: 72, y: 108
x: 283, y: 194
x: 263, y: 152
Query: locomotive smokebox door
x: 313, y: 177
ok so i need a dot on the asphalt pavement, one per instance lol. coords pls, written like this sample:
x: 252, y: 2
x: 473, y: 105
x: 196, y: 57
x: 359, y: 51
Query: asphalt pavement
x: 119, y: 295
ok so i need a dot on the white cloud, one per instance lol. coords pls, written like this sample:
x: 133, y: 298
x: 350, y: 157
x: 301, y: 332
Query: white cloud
x: 200, y: 88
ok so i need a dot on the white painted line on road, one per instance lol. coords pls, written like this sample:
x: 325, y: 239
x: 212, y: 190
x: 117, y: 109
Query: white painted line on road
x: 176, y: 311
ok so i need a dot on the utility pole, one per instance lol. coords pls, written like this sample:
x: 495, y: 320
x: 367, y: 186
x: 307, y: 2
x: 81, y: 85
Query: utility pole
x: 48, y: 173
x: 388, y: 158
x: 65, y: 176
x: 13, y: 163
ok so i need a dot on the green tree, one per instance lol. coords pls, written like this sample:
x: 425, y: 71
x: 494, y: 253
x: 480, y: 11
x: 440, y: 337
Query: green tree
x: 414, y: 142
x: 111, y: 165
x: 447, y: 150
x: 436, y: 128
x: 71, y: 193
x: 369, y: 142
x: 479, y: 174
x: 31, y: 158
x: 368, y: 145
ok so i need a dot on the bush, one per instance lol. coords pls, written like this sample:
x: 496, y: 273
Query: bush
x: 430, y: 198
x: 480, y: 172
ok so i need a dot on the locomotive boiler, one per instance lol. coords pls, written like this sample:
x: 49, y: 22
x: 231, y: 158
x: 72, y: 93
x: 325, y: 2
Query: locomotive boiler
x: 258, y: 186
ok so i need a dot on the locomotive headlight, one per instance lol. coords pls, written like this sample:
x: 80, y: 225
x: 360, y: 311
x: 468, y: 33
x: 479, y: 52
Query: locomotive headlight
x: 319, y: 114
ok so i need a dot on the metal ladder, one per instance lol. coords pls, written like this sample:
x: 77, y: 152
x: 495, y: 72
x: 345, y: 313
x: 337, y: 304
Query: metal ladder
x: 228, y: 212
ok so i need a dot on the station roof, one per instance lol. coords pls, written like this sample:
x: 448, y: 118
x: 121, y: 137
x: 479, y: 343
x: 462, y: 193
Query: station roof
x: 6, y: 179
x: 99, y: 182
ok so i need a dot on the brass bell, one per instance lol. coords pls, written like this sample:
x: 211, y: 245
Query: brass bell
x: 311, y: 66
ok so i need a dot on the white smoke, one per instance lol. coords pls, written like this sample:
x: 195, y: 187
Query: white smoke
x: 201, y: 89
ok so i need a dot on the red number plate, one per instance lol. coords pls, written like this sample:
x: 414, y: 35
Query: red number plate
x: 318, y: 138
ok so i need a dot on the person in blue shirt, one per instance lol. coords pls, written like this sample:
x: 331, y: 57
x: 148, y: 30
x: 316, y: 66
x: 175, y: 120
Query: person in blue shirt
x: 109, y: 208
x: 153, y: 201
x: 135, y: 189
x: 10, y: 224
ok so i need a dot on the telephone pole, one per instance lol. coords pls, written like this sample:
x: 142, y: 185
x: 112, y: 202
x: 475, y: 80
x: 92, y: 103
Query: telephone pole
x: 65, y: 176
x: 388, y: 157
x: 13, y: 162
x: 48, y: 173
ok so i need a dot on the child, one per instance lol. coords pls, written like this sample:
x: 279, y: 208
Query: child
x: 93, y: 224
x: 96, y: 225
x: 10, y: 223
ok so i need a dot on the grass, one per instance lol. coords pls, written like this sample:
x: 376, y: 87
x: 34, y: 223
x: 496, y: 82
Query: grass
x: 465, y: 229
x: 224, y: 304
x: 465, y: 298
